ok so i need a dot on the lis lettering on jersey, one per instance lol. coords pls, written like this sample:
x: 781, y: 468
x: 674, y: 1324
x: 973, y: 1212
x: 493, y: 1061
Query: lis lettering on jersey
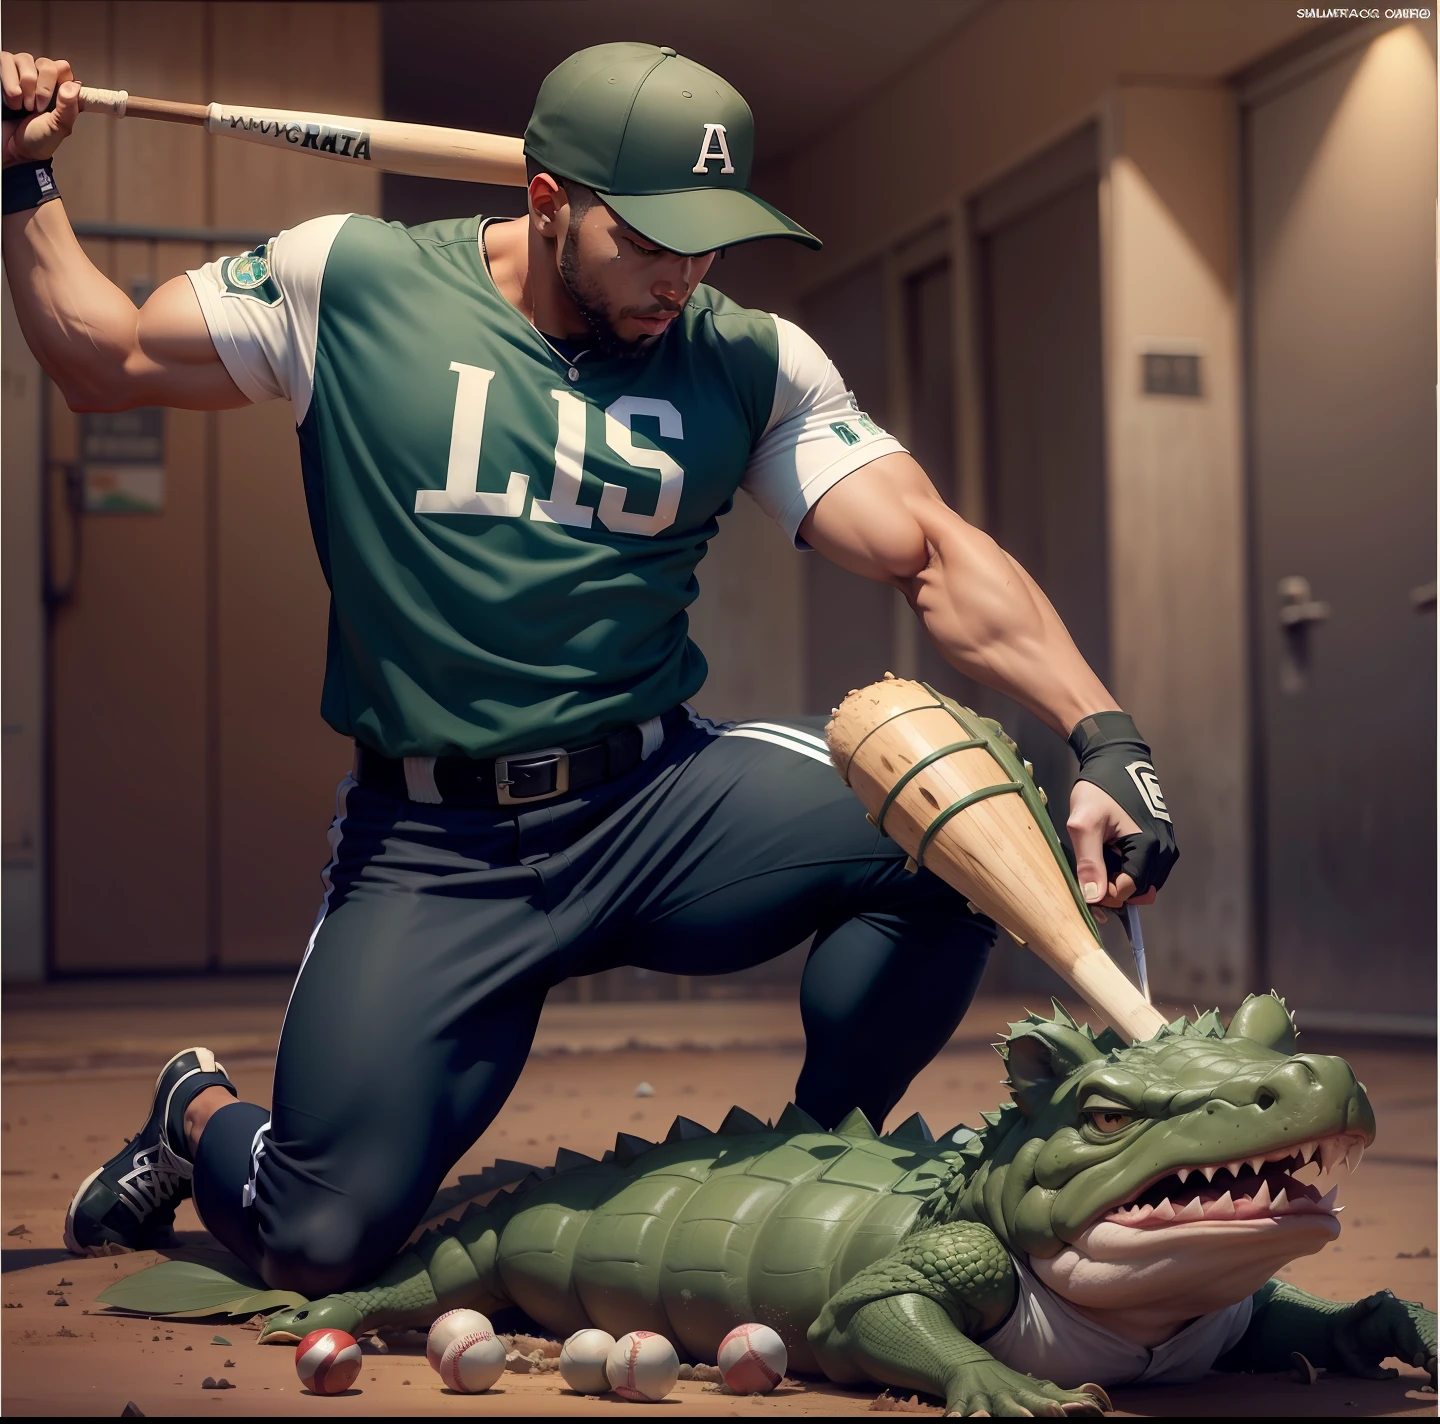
x: 249, y: 276
x: 462, y: 493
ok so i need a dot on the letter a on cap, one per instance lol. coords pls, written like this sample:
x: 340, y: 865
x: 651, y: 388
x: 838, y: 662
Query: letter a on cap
x: 714, y: 132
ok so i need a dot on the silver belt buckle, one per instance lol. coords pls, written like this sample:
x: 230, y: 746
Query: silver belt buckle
x: 558, y: 755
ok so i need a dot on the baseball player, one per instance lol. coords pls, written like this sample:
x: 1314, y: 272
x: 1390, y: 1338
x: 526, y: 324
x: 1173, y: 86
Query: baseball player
x: 517, y: 439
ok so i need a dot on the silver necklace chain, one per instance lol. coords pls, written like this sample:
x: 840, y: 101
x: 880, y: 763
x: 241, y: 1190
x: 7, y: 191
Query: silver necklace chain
x: 571, y: 364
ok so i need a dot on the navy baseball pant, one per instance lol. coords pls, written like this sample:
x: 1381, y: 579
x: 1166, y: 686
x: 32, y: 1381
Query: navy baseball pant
x: 444, y: 928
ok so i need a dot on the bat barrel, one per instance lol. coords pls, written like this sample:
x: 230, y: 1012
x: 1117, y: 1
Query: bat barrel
x: 422, y: 150
x: 943, y: 784
x: 418, y: 149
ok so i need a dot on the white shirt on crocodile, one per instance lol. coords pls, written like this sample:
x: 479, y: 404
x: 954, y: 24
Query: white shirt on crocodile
x: 1047, y: 1337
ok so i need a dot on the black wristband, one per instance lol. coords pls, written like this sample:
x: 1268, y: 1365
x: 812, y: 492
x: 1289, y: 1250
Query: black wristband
x: 26, y: 185
x: 1103, y: 729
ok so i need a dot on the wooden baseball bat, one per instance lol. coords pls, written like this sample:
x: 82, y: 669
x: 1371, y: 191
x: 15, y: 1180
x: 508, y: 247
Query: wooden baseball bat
x: 419, y: 149
x: 941, y: 782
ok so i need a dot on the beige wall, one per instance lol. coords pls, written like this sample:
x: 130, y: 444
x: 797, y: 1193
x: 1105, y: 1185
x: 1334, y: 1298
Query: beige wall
x: 1001, y: 88
x: 1004, y: 87
x: 1176, y: 503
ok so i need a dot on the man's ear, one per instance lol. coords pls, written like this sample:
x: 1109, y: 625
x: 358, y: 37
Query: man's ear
x: 548, y: 205
x: 1040, y: 1057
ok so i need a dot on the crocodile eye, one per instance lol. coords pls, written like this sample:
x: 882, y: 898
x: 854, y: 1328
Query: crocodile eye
x: 1107, y: 1120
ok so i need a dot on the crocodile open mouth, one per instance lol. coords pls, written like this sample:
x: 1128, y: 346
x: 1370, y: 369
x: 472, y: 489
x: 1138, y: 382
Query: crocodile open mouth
x: 1248, y: 1189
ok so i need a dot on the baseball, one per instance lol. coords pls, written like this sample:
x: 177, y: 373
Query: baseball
x: 451, y: 1326
x: 752, y: 1359
x: 642, y: 1366
x: 327, y: 1361
x: 472, y: 1362
x: 582, y: 1361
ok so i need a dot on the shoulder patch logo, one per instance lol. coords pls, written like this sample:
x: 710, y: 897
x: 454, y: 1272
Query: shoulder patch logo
x: 249, y: 276
x: 844, y: 432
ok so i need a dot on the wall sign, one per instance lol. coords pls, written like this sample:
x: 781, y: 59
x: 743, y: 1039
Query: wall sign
x: 122, y: 456
x: 1170, y: 373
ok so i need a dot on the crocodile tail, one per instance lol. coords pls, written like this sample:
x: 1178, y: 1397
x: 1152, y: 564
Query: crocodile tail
x: 449, y: 1266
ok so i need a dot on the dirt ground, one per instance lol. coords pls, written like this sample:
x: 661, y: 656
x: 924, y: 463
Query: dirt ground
x: 78, y: 1065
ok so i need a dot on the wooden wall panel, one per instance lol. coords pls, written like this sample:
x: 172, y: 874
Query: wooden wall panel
x: 22, y: 662
x: 194, y: 779
x: 24, y: 25
x: 158, y: 49
x: 85, y: 168
x: 319, y: 57
x: 129, y: 723
x: 279, y: 763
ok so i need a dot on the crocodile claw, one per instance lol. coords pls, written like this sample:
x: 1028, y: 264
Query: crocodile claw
x: 288, y: 1327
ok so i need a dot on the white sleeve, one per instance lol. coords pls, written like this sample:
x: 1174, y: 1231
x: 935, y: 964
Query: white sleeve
x: 263, y: 311
x: 816, y: 434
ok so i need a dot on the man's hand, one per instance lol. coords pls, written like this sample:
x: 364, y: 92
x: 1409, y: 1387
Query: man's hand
x: 1097, y: 820
x: 1119, y: 823
x: 29, y: 83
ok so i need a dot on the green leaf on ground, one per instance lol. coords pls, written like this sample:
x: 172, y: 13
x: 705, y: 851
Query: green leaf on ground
x: 192, y: 1290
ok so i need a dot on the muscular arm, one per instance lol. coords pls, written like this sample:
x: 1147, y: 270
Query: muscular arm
x: 986, y: 615
x: 99, y: 350
x: 988, y: 618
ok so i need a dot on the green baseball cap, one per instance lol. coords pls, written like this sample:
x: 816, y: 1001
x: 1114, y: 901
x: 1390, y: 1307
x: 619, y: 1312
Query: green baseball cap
x: 666, y: 143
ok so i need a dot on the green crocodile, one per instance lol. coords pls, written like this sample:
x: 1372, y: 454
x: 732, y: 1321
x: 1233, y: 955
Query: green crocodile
x: 1121, y: 1219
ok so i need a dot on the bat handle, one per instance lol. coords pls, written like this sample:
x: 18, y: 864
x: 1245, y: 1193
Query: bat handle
x: 92, y: 101
x: 104, y: 101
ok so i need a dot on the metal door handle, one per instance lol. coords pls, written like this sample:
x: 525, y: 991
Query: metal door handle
x: 1297, y: 606
x: 1422, y: 599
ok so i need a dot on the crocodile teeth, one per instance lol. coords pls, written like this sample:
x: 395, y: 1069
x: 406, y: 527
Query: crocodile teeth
x: 1183, y: 1173
x: 1193, y: 1210
x: 1222, y: 1208
x: 1260, y: 1202
x: 1256, y: 1163
x: 1209, y: 1173
x: 1234, y: 1167
x: 1327, y: 1202
x: 1164, y: 1212
x: 1354, y: 1156
x: 1280, y: 1204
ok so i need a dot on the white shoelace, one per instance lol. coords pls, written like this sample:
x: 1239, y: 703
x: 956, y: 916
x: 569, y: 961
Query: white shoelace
x: 154, y: 1180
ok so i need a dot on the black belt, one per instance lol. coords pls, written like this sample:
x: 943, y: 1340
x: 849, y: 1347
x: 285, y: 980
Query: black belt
x: 515, y: 780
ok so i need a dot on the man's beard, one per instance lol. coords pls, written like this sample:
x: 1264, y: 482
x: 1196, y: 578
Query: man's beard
x: 608, y: 341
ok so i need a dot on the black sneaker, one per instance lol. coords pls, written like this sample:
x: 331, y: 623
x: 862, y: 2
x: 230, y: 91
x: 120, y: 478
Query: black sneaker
x: 129, y: 1203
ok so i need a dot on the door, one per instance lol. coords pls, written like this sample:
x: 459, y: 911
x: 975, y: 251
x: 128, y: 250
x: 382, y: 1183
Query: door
x: 1340, y: 231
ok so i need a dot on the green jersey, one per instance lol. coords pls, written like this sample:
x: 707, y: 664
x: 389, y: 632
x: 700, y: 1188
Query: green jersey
x: 510, y: 536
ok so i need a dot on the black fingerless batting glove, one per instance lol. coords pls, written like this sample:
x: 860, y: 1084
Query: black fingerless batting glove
x: 1113, y: 755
